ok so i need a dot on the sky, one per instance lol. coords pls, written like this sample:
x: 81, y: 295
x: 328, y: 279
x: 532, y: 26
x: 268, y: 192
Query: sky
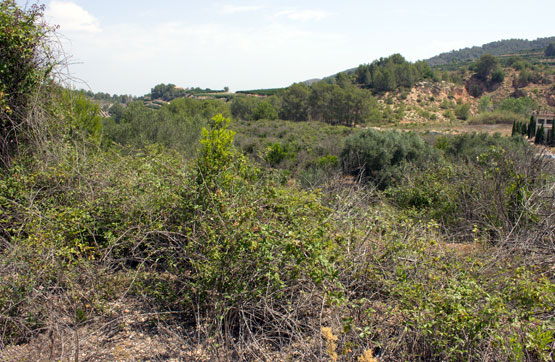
x: 127, y: 47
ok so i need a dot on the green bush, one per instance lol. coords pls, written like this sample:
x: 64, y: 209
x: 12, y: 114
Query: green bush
x: 497, y: 117
x: 523, y: 106
x: 462, y: 111
x: 264, y: 110
x: 243, y: 107
x: 380, y: 157
x: 26, y: 61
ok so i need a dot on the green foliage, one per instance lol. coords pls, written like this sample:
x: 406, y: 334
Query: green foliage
x: 532, y: 127
x: 502, y: 47
x: 526, y: 77
x: 243, y: 107
x: 386, y: 74
x: 166, y: 92
x: 550, y: 50
x: 485, y: 66
x: 462, y: 111
x: 523, y: 106
x: 519, y: 128
x: 176, y: 125
x: 540, y: 135
x: 497, y: 117
x: 295, y: 105
x: 469, y: 146
x: 275, y: 154
x: 261, y: 92
x: 430, y: 194
x: 485, y: 105
x: 498, y: 75
x: 345, y: 105
x: 381, y: 157
x: 303, y: 142
x: 216, y: 153
x: 82, y: 117
x: 264, y: 110
x: 25, y: 63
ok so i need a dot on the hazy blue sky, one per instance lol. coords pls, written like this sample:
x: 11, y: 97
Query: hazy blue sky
x: 130, y: 46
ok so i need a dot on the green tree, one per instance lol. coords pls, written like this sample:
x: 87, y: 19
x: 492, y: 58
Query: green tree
x: 384, y: 80
x: 462, y: 111
x: 523, y: 106
x: 485, y: 65
x: 243, y: 107
x: 116, y: 111
x: 550, y: 50
x: 342, y: 80
x: 294, y: 105
x: 498, y: 75
x: 320, y: 101
x: 532, y: 127
x: 264, y: 110
x: 540, y: 136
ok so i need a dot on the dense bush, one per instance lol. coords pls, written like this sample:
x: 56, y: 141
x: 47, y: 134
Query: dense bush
x: 264, y: 110
x: 298, y: 145
x: 449, y: 258
x: 381, y: 157
x: 25, y: 64
x: 462, y: 111
x: 243, y: 107
x: 484, y: 184
x: 523, y: 106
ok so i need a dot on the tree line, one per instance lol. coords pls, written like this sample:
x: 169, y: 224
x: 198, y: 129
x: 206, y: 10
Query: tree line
x: 341, y: 103
x: 386, y: 74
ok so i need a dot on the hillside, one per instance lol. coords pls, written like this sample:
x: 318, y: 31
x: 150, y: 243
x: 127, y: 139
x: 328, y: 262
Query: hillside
x: 501, y: 47
x: 281, y: 227
x: 465, y: 55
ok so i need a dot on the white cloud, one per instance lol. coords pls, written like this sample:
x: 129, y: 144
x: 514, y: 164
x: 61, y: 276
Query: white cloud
x: 71, y: 17
x: 304, y: 15
x: 234, y: 9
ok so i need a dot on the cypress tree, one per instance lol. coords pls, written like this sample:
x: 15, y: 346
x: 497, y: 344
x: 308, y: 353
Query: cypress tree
x: 532, y: 127
x: 540, y: 136
x: 551, y: 137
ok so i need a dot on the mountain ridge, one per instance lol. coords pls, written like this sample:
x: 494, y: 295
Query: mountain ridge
x: 499, y: 47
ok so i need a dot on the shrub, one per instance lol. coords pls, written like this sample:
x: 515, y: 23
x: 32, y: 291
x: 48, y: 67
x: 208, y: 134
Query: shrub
x: 26, y: 63
x: 498, y: 75
x: 462, y: 111
x: 497, y: 117
x: 381, y: 156
x: 523, y: 106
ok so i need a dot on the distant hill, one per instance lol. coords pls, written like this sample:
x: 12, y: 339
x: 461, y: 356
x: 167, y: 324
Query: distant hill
x: 510, y: 46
